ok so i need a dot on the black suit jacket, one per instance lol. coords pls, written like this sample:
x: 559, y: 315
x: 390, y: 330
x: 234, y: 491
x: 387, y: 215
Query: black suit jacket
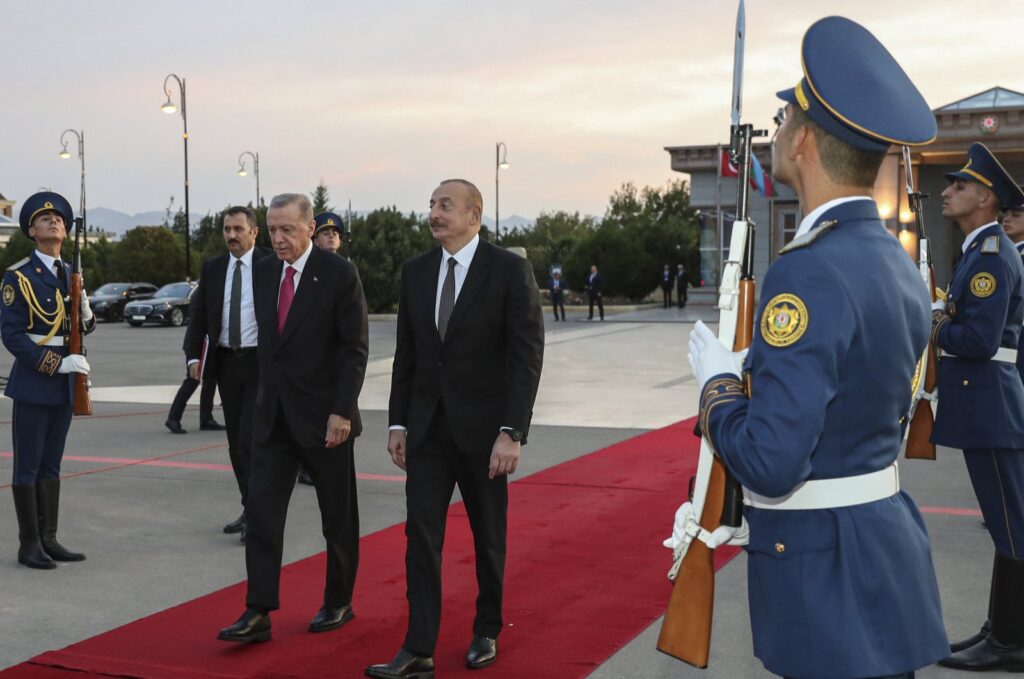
x: 315, y: 367
x: 594, y: 285
x: 488, y: 367
x: 205, y: 311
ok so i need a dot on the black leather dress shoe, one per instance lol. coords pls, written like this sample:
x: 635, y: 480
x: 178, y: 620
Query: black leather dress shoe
x: 988, y: 654
x: 211, y: 425
x: 237, y: 525
x: 174, y: 426
x: 986, y: 629
x: 304, y: 478
x: 405, y: 664
x: 328, y: 618
x: 252, y: 626
x: 482, y: 652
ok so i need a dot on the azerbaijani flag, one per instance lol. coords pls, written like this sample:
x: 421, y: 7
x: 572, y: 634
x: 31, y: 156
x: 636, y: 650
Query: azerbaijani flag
x: 759, y: 179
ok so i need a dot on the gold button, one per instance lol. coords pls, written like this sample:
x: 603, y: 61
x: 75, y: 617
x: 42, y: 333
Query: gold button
x: 966, y: 382
x: 779, y: 547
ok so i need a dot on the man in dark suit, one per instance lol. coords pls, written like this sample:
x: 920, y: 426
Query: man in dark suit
x: 313, y: 346
x: 682, y: 282
x: 667, y: 283
x: 467, y: 363
x: 223, y: 317
x: 557, y: 294
x: 594, y: 285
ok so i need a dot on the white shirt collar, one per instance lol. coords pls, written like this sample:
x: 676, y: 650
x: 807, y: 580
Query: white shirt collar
x: 46, y: 259
x: 246, y: 258
x: 816, y: 213
x: 300, y: 263
x: 974, y: 234
x: 463, y: 256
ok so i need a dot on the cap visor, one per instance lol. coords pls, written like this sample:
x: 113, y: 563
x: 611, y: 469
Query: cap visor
x: 787, y: 95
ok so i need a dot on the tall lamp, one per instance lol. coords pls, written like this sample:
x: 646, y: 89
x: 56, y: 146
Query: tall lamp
x: 168, y: 107
x: 500, y: 163
x: 255, y: 170
x: 65, y: 154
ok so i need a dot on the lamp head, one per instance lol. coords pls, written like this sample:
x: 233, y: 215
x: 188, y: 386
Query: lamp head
x: 503, y: 165
x: 241, y: 171
x: 64, y: 153
x: 168, y: 106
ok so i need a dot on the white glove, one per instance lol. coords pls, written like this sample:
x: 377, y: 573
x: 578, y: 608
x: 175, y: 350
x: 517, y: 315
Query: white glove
x: 683, y: 514
x: 723, y: 535
x: 708, y: 357
x: 939, y: 305
x: 86, y: 309
x: 74, y: 363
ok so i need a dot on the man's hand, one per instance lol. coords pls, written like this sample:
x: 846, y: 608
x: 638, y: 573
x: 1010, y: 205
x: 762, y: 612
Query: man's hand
x: 396, y: 446
x: 338, y: 429
x: 193, y: 370
x: 74, y: 363
x: 504, y: 456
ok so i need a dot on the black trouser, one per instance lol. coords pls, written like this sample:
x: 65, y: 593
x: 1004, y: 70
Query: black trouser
x: 237, y: 378
x: 666, y: 295
x: 596, y: 297
x: 558, y: 302
x: 271, y: 480
x: 185, y: 391
x: 433, y: 471
x: 681, y: 296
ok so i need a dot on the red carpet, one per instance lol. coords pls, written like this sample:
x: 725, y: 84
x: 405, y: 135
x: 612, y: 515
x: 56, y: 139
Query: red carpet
x: 585, y: 574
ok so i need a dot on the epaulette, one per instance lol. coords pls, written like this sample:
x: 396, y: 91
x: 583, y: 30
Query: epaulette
x: 990, y: 246
x: 809, y: 237
x: 17, y: 265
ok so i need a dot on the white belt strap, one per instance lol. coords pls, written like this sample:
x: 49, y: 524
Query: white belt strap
x: 1004, y: 354
x: 55, y: 341
x: 830, y: 493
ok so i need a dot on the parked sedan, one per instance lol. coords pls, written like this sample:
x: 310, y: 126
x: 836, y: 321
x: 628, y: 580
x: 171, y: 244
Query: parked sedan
x: 168, y: 306
x: 108, y: 301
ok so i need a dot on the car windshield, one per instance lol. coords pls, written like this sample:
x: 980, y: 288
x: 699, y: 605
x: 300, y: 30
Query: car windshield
x: 173, y: 290
x: 111, y: 289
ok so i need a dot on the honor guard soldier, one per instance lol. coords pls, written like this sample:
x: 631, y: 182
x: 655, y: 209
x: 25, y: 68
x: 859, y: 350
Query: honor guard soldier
x: 840, y: 575
x: 981, y: 399
x: 34, y: 325
x: 327, y: 235
x: 1013, y: 225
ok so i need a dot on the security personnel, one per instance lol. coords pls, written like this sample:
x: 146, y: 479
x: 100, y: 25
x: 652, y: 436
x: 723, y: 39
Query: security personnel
x: 981, y: 398
x: 1013, y: 225
x: 34, y: 326
x: 840, y: 575
x: 327, y: 234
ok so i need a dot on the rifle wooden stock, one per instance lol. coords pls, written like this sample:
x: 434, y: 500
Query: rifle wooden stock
x: 686, y: 630
x: 919, y: 444
x: 83, y: 403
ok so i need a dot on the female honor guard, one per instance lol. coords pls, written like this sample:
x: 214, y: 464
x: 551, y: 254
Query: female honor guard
x: 981, y: 398
x: 34, y: 326
x: 841, y: 582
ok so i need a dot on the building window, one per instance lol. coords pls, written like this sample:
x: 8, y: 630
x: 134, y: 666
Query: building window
x: 786, y: 220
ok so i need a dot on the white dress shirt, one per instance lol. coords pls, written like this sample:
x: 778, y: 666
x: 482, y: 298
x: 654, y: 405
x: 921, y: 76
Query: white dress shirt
x: 463, y: 258
x: 807, y: 222
x: 974, y: 234
x: 49, y: 261
x: 248, y: 317
x: 298, y: 265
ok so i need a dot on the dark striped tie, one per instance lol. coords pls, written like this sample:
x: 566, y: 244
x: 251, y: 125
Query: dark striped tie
x: 235, y: 308
x: 444, y: 313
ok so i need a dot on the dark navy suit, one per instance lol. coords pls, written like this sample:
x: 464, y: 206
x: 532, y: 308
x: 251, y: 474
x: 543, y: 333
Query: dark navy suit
x: 850, y: 591
x: 981, y: 400
x: 43, y: 398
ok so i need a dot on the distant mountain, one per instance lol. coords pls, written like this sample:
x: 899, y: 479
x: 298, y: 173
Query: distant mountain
x: 509, y: 222
x: 119, y: 222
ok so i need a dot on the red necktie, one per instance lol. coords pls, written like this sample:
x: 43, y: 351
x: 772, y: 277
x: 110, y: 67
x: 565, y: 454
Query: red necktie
x: 284, y: 300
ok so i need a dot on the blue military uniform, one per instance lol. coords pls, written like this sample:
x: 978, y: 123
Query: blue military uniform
x: 981, y: 407
x: 34, y: 327
x: 1020, y: 347
x: 841, y: 589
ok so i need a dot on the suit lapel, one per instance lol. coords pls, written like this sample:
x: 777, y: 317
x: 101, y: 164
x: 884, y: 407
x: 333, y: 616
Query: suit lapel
x: 216, y: 308
x: 425, y: 284
x: 475, y: 278
x: 308, y: 290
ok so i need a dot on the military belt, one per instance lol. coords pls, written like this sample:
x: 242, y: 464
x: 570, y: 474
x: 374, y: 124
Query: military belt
x: 1004, y: 354
x: 831, y: 493
x: 55, y: 341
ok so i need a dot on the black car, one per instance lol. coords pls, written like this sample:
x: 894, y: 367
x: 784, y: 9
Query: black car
x: 108, y: 301
x: 168, y: 306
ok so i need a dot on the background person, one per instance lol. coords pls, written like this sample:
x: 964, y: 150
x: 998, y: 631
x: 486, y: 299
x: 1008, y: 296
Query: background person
x: 668, y: 281
x: 557, y: 294
x: 594, y: 285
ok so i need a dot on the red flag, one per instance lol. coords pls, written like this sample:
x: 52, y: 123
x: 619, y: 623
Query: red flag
x: 726, y: 168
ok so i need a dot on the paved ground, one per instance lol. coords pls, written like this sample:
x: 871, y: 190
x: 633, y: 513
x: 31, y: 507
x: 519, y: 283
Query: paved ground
x: 152, y: 531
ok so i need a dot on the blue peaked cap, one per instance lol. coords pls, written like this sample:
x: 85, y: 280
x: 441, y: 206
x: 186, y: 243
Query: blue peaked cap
x: 984, y: 168
x: 41, y: 202
x: 856, y: 91
x: 328, y: 220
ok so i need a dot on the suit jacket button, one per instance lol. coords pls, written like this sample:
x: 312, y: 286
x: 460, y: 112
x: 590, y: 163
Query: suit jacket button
x: 779, y: 547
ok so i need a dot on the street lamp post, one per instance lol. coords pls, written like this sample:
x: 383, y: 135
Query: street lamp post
x: 255, y: 170
x: 65, y: 154
x: 500, y: 163
x: 168, y: 107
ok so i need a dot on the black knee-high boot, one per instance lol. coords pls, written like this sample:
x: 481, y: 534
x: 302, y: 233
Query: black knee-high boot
x: 986, y: 628
x: 30, y: 550
x: 49, y: 506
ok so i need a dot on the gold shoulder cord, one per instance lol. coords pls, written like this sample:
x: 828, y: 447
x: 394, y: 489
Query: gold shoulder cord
x: 55, y: 319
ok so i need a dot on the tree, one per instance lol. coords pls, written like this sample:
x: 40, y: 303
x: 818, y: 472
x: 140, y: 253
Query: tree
x: 550, y: 241
x: 381, y: 242
x: 321, y: 199
x: 149, y: 253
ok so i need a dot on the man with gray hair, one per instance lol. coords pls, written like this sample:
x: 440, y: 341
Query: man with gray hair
x: 312, y: 350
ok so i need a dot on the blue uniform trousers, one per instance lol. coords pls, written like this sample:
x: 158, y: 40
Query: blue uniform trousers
x: 997, y: 475
x: 39, y: 432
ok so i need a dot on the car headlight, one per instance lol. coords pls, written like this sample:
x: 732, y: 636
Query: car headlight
x: 99, y: 306
x: 162, y: 307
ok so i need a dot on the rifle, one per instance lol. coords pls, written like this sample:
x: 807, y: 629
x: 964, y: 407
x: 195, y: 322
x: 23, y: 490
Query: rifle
x: 83, y: 403
x: 922, y: 420
x: 717, y: 498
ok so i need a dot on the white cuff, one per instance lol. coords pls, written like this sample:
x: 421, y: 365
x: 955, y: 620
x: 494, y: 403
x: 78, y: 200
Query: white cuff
x: 396, y: 427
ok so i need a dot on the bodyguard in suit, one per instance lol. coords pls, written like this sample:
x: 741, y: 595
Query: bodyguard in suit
x: 35, y: 323
x: 595, y: 283
x: 981, y: 399
x: 222, y: 314
x: 312, y: 347
x: 557, y: 294
x: 667, y: 282
x: 682, y: 283
x: 467, y: 364
x: 840, y: 575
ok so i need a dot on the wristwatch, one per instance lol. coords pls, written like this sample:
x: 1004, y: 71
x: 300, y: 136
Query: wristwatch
x: 514, y: 434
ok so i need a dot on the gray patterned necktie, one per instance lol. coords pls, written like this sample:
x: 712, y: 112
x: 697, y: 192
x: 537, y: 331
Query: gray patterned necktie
x: 235, y: 308
x: 444, y: 313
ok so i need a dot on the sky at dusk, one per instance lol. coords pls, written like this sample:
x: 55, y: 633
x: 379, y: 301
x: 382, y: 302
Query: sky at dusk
x: 383, y: 99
